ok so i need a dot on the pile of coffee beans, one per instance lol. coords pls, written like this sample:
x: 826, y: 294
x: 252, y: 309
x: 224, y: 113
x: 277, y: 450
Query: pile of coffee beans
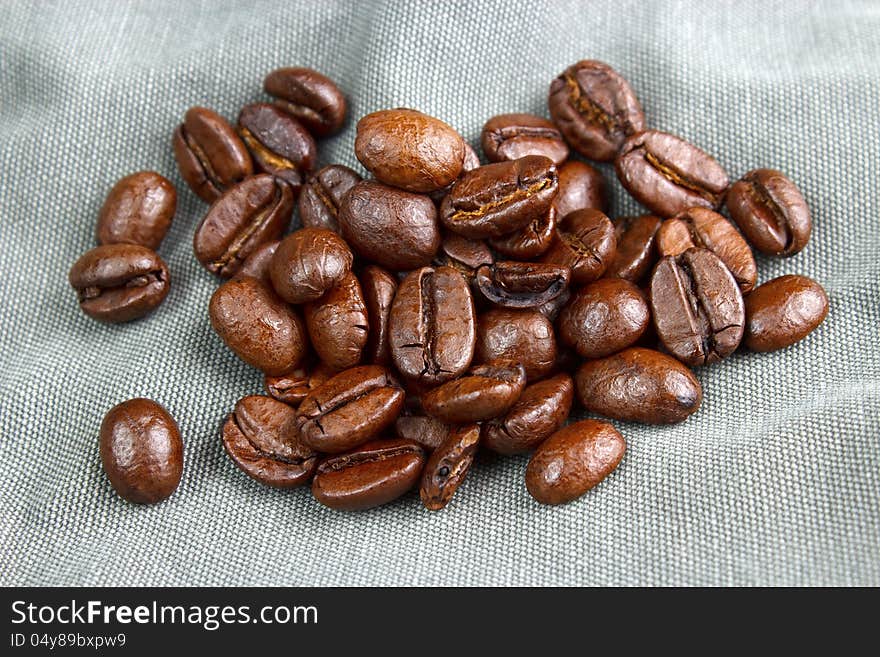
x: 443, y: 305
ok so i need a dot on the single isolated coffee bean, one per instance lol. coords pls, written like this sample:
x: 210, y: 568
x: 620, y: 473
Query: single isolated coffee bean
x: 585, y: 243
x: 595, y: 108
x: 581, y: 187
x: 449, y: 463
x: 635, y: 255
x: 255, y: 211
x: 308, y: 262
x: 141, y: 451
x: 119, y: 282
x: 322, y: 195
x: 783, y: 311
x: 639, y: 385
x: 540, y: 411
x: 463, y: 254
x: 512, y: 136
x: 771, y: 212
x: 668, y: 175
x: 522, y: 284
x: 529, y: 242
x: 257, y: 264
x: 523, y: 336
x: 258, y: 326
x: 296, y: 385
x: 338, y: 324
x: 379, y: 288
x: 261, y: 438
x: 697, y: 307
x: 486, y: 391
x: 313, y: 98
x: 427, y: 431
x: 210, y: 155
x: 573, y: 460
x: 410, y: 150
x: 138, y: 210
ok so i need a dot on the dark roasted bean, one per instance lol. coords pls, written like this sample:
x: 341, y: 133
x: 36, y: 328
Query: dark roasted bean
x: 523, y: 336
x: 338, y: 324
x: 446, y: 468
x: 308, y: 262
x: 312, y: 98
x: 293, y: 387
x: 581, y: 187
x: 522, y: 284
x: 635, y: 255
x: 138, y: 210
x: 257, y: 264
x: 379, y: 288
x: 783, y: 311
x: 463, y: 254
x: 322, y: 195
x: 486, y: 391
x: 512, y: 136
x: 585, y: 243
x: 529, y: 242
x: 279, y: 144
x: 427, y: 431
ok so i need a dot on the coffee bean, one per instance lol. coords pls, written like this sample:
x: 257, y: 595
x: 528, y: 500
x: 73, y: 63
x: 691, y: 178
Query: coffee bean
x: 138, y: 210
x: 697, y: 307
x: 668, y: 175
x: 635, y: 255
x: 499, y: 198
x: 141, y: 451
x: 257, y: 326
x: 427, y: 431
x: 322, y: 195
x: 522, y: 284
x: 639, y: 385
x: 262, y: 439
x: 388, y: 226
x: 409, y: 150
x: 581, y: 187
x: 573, y: 460
x: 338, y: 324
x: 529, y: 242
x: 770, y: 210
x: 512, y: 136
x: 448, y: 465
x: 293, y: 387
x: 595, y: 108
x: 463, y: 254
x: 379, y: 288
x: 309, y: 262
x: 783, y: 311
x: 585, y: 243
x: 257, y: 264
x: 604, y: 317
x: 255, y: 211
x: 432, y: 325
x: 209, y: 154
x: 541, y: 410
x: 369, y: 476
x: 314, y: 99
x: 550, y: 309
x: 471, y: 161
x: 119, y: 282
x: 523, y: 336
x: 484, y: 392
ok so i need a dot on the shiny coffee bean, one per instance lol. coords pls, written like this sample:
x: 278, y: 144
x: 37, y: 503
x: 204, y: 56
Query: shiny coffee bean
x: 523, y: 336
x: 484, y: 392
x: 257, y: 326
x: 638, y: 385
x: 668, y: 175
x: 551, y: 309
x: 255, y: 211
x: 541, y: 410
x: 410, y: 150
x: 471, y: 161
x: 449, y: 463
x: 312, y: 98
x: 119, y: 282
x: 261, y: 438
x: 529, y: 242
x: 604, y: 317
x: 296, y: 385
x: 338, y: 324
x: 322, y: 195
x: 581, y: 187
x: 499, y: 198
x: 585, y: 243
x: 138, y: 210
x: 512, y: 136
x: 279, y: 144
x: 257, y: 264
x: 635, y: 255
x: 573, y: 460
x: 771, y: 212
x: 522, y: 284
x: 463, y: 254
x: 783, y: 311
x: 427, y: 431
x: 595, y: 108
x: 697, y: 307
x: 141, y: 451
x: 308, y: 262
x: 210, y: 155
x: 379, y: 288
x: 388, y: 226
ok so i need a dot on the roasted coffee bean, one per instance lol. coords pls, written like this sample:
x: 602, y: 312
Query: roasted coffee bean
x: 409, y: 150
x: 783, y: 311
x: 604, y: 317
x: 522, y: 284
x: 581, y: 187
x: 698, y: 227
x: 338, y: 324
x: 463, y: 254
x: 293, y: 387
x: 471, y: 161
x: 499, y: 198
x: 257, y: 264
x: 541, y: 410
x: 523, y: 336
x: 322, y: 195
x: 369, y: 476
x: 209, y: 153
x: 512, y: 136
x: 595, y: 108
x: 432, y: 325
x: 551, y: 308
x: 529, y: 242
x: 138, y: 210
x: 262, y: 439
x: 770, y: 210
x: 427, y: 431
x: 639, y: 385
x: 312, y: 98
x: 379, y: 288
x: 697, y: 307
x: 635, y: 255
x: 446, y: 468
x: 279, y: 144
x: 573, y: 460
x: 668, y: 175
x: 119, y: 282
x: 585, y: 243
x: 486, y: 391
x: 255, y: 211
x: 259, y: 327
x: 141, y: 451
x: 388, y: 226
x: 308, y: 262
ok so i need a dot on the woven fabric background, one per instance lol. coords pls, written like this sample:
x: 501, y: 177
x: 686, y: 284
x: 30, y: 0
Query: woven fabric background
x: 775, y: 481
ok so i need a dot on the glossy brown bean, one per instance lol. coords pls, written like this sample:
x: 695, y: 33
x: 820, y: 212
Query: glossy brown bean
x: 783, y: 311
x: 585, y: 243
x: 338, y: 324
x: 322, y: 195
x: 581, y: 187
x: 379, y: 288
x: 522, y: 284
x: 308, y: 263
x: 523, y: 336
x: 635, y: 255
x: 529, y: 242
x: 293, y: 387
x: 512, y: 136
x: 447, y: 466
x: 427, y: 431
x: 311, y: 97
x: 486, y: 391
x: 278, y: 143
x: 138, y: 210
